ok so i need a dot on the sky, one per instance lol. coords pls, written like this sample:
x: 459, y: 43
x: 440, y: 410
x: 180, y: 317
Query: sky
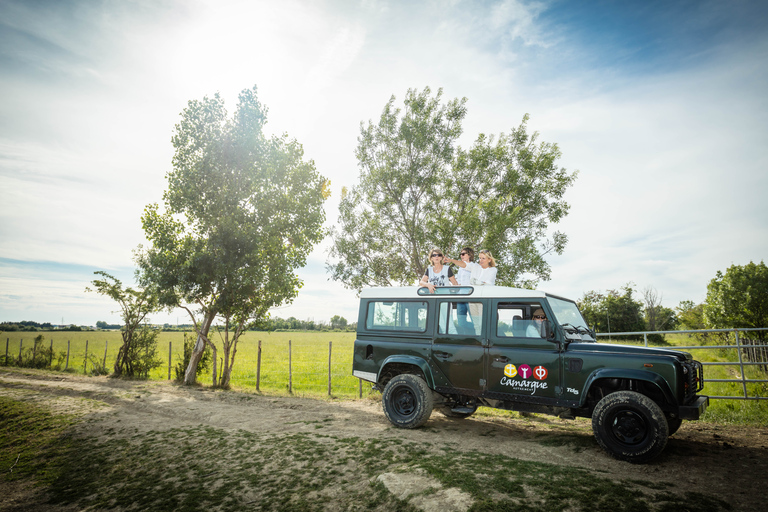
x: 661, y: 106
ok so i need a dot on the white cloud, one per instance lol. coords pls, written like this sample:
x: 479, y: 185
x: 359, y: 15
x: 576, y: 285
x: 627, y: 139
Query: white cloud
x: 672, y: 161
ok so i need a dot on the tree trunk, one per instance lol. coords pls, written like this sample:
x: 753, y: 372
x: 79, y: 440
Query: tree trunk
x: 122, y: 354
x: 190, y: 375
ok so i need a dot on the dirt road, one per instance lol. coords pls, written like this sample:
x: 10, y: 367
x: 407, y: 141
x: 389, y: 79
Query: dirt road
x: 729, y: 463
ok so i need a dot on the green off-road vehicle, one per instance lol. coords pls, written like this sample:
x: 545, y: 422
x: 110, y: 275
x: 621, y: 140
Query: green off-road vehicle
x: 463, y: 347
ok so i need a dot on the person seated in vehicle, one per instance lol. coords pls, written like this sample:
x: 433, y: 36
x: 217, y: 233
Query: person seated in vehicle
x: 536, y: 328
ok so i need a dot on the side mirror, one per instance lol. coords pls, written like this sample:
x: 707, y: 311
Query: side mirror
x: 549, y: 333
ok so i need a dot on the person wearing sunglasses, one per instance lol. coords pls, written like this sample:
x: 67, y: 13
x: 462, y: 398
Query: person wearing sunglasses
x: 463, y: 277
x: 483, y: 272
x: 536, y: 329
x: 437, y: 274
x: 465, y: 263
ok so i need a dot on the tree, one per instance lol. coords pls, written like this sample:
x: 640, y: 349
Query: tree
x: 338, y: 322
x: 613, y: 311
x: 138, y: 353
x: 690, y: 315
x: 657, y: 317
x: 241, y: 213
x: 739, y: 298
x: 418, y: 190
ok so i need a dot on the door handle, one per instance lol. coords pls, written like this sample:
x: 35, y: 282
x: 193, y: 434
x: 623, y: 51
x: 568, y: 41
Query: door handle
x: 502, y: 359
x: 441, y: 355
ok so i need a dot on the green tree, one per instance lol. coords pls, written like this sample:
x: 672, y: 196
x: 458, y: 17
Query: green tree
x: 739, y: 298
x: 241, y: 213
x: 138, y: 353
x: 690, y: 316
x: 419, y: 190
x: 338, y: 322
x: 613, y: 311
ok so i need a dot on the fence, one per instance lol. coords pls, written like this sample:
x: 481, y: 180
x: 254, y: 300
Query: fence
x: 755, y: 354
x: 307, y: 364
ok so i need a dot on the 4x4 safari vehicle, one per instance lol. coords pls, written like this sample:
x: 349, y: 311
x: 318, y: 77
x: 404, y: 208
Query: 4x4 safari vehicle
x: 463, y: 347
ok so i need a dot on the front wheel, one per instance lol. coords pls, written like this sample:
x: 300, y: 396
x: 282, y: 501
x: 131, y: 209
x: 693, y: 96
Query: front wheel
x: 630, y: 426
x: 673, y: 424
x: 407, y: 401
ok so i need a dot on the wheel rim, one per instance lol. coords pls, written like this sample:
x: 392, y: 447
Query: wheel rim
x: 629, y: 427
x: 403, y: 401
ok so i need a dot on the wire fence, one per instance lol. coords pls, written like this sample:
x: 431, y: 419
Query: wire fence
x: 306, y: 365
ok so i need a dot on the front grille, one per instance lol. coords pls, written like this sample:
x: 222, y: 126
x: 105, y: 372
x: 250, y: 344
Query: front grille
x: 694, y: 381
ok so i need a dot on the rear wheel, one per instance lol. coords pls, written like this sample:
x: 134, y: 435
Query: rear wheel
x: 630, y: 426
x: 407, y: 401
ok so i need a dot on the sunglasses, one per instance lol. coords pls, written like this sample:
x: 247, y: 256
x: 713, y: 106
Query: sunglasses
x: 435, y: 254
x: 463, y: 254
x: 540, y: 317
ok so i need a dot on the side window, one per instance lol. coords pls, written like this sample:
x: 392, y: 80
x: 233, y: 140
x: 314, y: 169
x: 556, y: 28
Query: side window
x: 515, y: 320
x: 461, y: 317
x: 397, y: 316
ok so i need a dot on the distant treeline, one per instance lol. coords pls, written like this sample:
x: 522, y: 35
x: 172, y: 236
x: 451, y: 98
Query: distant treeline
x: 337, y: 323
x: 28, y: 325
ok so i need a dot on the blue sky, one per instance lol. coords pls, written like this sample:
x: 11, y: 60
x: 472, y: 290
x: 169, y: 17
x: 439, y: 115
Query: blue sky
x: 660, y: 106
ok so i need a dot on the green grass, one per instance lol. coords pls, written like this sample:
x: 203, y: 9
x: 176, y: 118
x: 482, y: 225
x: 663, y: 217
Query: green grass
x: 34, y: 440
x: 200, y: 468
x: 309, y: 358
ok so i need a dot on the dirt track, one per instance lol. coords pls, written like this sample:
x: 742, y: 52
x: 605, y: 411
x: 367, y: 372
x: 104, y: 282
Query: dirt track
x: 730, y: 463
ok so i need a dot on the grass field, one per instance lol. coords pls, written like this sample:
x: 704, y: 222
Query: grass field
x: 309, y: 358
x: 309, y: 365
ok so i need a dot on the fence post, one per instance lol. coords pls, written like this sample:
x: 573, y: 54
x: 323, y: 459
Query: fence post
x: 741, y: 363
x: 7, y: 341
x: 85, y: 360
x: 50, y: 359
x: 21, y: 342
x: 104, y: 363
x: 290, y: 370
x: 330, y: 344
x: 67, y: 365
x: 34, y: 351
x: 360, y: 387
x: 170, y: 347
x: 258, y: 367
x: 645, y: 337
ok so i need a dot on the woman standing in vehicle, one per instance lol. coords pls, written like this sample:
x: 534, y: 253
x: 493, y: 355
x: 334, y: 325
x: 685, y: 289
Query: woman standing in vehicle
x: 438, y: 274
x: 483, y: 272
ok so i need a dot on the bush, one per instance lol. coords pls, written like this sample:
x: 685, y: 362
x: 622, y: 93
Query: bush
x: 138, y: 356
x: 39, y: 356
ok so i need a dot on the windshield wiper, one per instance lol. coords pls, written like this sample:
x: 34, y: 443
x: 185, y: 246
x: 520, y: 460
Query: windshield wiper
x: 570, y: 328
x: 580, y: 330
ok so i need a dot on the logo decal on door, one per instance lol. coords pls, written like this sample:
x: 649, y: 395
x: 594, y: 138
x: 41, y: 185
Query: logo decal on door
x: 510, y: 370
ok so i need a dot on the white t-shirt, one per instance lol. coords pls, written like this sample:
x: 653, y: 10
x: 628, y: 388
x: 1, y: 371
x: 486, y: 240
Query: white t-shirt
x: 463, y: 276
x: 480, y: 275
x: 441, y: 278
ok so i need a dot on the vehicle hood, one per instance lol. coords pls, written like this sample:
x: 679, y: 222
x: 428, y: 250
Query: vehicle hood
x: 608, y: 348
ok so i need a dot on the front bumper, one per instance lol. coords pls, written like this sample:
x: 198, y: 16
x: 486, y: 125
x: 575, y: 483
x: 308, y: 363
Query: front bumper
x: 695, y: 409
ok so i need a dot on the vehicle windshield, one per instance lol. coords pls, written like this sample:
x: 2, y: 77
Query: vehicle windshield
x: 566, y: 312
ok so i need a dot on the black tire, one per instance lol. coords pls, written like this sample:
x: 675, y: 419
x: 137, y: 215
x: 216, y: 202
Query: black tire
x: 407, y: 401
x: 673, y: 424
x: 460, y: 412
x: 630, y: 426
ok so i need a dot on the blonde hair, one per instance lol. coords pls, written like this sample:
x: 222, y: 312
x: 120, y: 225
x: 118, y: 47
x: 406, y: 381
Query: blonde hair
x: 491, y: 260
